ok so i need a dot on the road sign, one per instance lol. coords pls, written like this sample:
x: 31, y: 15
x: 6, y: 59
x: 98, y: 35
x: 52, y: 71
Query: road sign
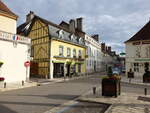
x: 27, y: 64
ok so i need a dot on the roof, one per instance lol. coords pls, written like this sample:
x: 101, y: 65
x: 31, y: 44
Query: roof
x: 24, y: 28
x: 143, y: 34
x: 6, y: 10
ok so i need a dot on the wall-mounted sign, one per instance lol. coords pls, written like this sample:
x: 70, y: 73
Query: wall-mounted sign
x: 14, y: 37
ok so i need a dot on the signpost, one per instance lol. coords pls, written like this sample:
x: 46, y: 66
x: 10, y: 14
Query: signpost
x: 27, y: 64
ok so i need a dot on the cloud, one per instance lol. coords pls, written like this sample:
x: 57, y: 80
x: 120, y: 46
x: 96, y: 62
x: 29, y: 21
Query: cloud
x: 114, y: 20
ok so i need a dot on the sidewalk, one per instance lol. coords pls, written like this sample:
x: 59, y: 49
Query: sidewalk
x: 125, y: 103
x: 38, y: 82
x: 16, y: 85
x: 136, y: 80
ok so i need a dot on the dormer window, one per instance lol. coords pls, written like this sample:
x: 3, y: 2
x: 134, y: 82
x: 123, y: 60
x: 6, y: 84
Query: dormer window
x: 80, y: 40
x: 72, y: 37
x: 61, y: 34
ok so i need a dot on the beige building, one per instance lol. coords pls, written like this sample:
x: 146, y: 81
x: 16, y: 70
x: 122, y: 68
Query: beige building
x: 138, y: 51
x: 14, y: 49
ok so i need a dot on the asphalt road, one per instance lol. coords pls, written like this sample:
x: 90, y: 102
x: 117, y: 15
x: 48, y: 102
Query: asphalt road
x: 42, y: 98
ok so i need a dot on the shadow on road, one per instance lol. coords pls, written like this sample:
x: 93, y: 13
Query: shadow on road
x: 4, y: 109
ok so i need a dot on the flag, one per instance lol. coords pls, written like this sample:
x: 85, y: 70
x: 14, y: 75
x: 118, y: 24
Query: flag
x: 15, y: 37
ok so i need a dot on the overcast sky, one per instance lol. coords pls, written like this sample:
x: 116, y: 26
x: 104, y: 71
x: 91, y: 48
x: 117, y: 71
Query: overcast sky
x: 114, y: 20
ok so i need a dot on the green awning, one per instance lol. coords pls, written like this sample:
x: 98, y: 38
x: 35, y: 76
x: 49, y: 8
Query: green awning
x: 57, y: 61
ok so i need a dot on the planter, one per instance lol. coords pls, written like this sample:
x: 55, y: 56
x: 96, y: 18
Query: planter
x: 146, y: 77
x: 1, y: 63
x: 130, y: 75
x: 111, y: 87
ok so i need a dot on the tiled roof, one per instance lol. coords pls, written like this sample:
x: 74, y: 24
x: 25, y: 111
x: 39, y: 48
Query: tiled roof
x: 5, y: 9
x: 143, y: 34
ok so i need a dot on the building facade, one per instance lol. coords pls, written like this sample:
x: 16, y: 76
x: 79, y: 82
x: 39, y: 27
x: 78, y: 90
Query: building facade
x: 94, y: 54
x: 138, y: 51
x: 14, y: 49
x: 56, y: 51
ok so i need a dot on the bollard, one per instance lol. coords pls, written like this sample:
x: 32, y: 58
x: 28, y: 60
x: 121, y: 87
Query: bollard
x: 22, y: 83
x: 145, y: 91
x: 4, y: 84
x: 94, y: 90
x: 129, y: 80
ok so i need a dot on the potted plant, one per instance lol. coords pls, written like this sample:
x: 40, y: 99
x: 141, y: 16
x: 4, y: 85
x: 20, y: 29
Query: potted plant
x: 111, y: 84
x: 1, y: 63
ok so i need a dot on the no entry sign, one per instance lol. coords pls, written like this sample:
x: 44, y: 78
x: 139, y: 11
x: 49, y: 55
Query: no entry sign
x: 27, y: 64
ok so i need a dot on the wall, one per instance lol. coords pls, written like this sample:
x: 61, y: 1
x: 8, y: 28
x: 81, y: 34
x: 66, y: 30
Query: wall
x: 94, y: 55
x: 7, y: 24
x: 13, y: 57
x: 132, y: 57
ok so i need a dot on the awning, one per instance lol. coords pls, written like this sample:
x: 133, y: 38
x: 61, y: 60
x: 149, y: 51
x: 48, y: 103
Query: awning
x: 57, y: 61
x: 143, y: 60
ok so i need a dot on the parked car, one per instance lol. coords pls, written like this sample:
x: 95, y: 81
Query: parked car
x: 123, y: 70
x: 116, y: 70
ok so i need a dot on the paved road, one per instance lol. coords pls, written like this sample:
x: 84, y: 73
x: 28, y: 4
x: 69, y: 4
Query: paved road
x: 42, y: 98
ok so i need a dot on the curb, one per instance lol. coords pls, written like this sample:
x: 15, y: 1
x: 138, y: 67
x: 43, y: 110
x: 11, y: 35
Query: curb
x: 142, y: 84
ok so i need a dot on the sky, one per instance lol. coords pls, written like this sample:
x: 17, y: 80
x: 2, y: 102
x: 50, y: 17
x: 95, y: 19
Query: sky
x: 114, y: 20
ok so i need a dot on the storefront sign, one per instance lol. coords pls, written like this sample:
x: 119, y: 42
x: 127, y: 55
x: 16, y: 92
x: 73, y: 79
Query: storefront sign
x: 14, y: 37
x: 146, y: 60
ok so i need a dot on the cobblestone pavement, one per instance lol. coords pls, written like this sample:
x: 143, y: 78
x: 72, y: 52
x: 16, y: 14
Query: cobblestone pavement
x: 125, y: 103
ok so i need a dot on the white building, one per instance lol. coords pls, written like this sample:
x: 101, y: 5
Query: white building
x: 14, y: 49
x: 94, y: 60
x: 138, y: 51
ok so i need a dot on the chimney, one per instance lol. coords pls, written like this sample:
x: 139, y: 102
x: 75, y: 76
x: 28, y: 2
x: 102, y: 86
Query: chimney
x: 103, y: 48
x: 109, y: 49
x: 96, y: 37
x: 79, y: 24
x: 72, y: 26
x: 29, y: 16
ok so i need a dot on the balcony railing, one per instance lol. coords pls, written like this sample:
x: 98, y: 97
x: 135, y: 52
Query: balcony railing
x: 13, y: 37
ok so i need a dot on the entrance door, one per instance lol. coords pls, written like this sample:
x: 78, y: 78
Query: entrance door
x: 58, y: 70
x: 68, y: 70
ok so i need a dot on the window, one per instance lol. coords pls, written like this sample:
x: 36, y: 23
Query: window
x: 68, y: 52
x: 80, y: 54
x: 138, y: 50
x: 60, y: 34
x: 32, y: 51
x: 136, y: 67
x: 148, y: 51
x: 61, y: 50
x: 74, y: 53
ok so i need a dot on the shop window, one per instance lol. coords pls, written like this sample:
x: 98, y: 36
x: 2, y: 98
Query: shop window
x: 136, y: 67
x: 61, y: 50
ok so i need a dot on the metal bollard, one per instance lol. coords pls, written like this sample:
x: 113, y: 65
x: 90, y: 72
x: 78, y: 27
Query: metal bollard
x: 22, y: 83
x: 94, y: 90
x: 4, y: 84
x: 145, y: 91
